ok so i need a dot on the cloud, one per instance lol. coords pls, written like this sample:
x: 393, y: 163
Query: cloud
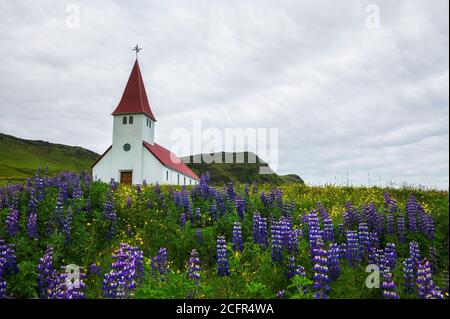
x: 344, y: 97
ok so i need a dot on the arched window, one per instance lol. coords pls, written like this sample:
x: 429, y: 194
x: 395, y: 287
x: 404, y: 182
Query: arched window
x: 167, y: 175
x: 124, y: 120
x: 184, y: 181
x: 178, y: 180
x: 130, y: 121
x: 149, y: 123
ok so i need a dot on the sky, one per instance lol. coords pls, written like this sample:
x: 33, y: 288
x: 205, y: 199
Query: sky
x: 353, y: 88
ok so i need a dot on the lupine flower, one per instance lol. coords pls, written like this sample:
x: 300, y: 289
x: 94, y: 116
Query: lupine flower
x: 237, y: 237
x: 260, y: 234
x: 314, y: 233
x: 433, y: 259
x: 277, y: 242
x: 8, y: 263
x: 328, y: 231
x: 159, y: 262
x: 408, y: 274
x: 12, y: 222
x: 67, y: 225
x: 353, y: 250
x: 293, y: 269
x: 280, y: 294
x: 364, y: 239
x: 401, y: 228
x: 222, y: 259
x: 240, y: 206
x: 333, y: 259
x: 411, y: 208
x: 128, y: 202
x: 2, y: 288
x: 109, y: 214
x: 199, y: 236
x: 428, y: 226
x: 388, y: 287
x: 63, y: 288
x: 414, y: 251
x: 390, y: 223
x: 194, y: 267
x: 126, y: 271
x: 427, y: 288
x: 390, y: 255
x: 182, y: 220
x: 321, y: 267
x: 32, y: 217
x: 94, y: 269
x: 46, y: 273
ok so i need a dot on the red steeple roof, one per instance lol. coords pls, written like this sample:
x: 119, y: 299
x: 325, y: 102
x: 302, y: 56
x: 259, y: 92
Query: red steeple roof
x: 134, y: 98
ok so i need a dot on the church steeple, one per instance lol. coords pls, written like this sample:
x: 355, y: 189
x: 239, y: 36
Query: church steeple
x: 134, y: 99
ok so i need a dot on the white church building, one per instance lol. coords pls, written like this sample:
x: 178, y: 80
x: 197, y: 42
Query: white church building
x: 134, y: 157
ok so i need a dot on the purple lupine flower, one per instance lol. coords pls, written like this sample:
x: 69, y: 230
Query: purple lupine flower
x: 126, y: 271
x: 77, y: 192
x: 353, y: 248
x: 276, y: 241
x: 58, y: 214
x: 8, y: 263
x: 240, y: 206
x: 321, y: 267
x: 429, y: 226
x: 390, y: 223
x: 427, y: 288
x: 349, y: 216
x: 214, y: 211
x: 411, y: 213
x: 390, y: 255
x: 260, y: 234
x: 280, y: 294
x: 294, y: 234
x: 194, y: 267
x: 364, y: 239
x: 414, y: 251
x: 12, y: 222
x: 65, y: 288
x: 328, y: 231
x: 128, y: 202
x: 237, y: 237
x: 293, y: 269
x: 388, y: 287
x: 67, y: 225
x: 32, y: 216
x: 182, y: 220
x: 2, y: 288
x: 46, y: 273
x: 199, y: 236
x: 109, y: 214
x: 94, y: 269
x: 334, y: 254
x: 433, y: 259
x: 159, y: 262
x: 401, y: 230
x: 314, y: 233
x: 222, y: 259
x: 408, y: 270
x: 230, y: 192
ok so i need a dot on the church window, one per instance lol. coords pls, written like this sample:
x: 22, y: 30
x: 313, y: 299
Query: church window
x: 149, y: 123
x: 130, y: 120
x: 167, y: 175
x: 178, y: 180
x: 124, y: 120
x: 190, y: 181
x: 126, y: 147
x: 184, y: 181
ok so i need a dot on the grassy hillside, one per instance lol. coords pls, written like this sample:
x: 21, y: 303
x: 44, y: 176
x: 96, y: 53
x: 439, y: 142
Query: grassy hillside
x: 20, y: 158
x: 237, y: 172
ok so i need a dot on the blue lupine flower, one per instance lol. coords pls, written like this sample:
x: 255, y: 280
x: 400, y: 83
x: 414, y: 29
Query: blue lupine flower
x: 237, y: 237
x: 411, y: 212
x: 321, y: 267
x: 334, y: 253
x: 401, y: 229
x: 12, y: 222
x: 353, y: 248
x: 194, y: 267
x: 293, y: 269
x: 427, y: 288
x: 222, y: 259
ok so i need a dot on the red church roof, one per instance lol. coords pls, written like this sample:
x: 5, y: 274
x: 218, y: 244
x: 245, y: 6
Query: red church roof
x: 134, y: 98
x: 169, y: 159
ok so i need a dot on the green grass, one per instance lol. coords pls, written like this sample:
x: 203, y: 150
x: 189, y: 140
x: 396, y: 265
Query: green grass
x: 20, y: 158
x: 235, y: 172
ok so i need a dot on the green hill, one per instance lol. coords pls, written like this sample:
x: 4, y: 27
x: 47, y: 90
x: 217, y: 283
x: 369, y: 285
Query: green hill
x: 245, y: 172
x: 20, y: 158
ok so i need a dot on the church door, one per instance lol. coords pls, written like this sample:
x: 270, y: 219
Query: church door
x: 126, y: 177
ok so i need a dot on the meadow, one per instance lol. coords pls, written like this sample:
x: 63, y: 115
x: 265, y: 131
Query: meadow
x: 234, y: 241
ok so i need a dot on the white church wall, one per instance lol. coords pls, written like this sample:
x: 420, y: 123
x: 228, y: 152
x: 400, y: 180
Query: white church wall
x: 152, y: 169
x: 127, y: 134
x: 148, y: 129
x: 103, y: 168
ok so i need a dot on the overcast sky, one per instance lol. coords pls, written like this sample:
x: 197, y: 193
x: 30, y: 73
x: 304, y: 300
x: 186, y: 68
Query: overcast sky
x: 347, y: 91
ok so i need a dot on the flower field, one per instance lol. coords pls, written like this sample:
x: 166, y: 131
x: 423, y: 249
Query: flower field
x: 235, y: 241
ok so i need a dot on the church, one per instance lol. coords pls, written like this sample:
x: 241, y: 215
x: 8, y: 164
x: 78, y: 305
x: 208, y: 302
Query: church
x: 134, y: 157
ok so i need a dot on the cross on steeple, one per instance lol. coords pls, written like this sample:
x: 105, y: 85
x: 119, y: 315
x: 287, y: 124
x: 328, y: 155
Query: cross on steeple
x: 137, y: 49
